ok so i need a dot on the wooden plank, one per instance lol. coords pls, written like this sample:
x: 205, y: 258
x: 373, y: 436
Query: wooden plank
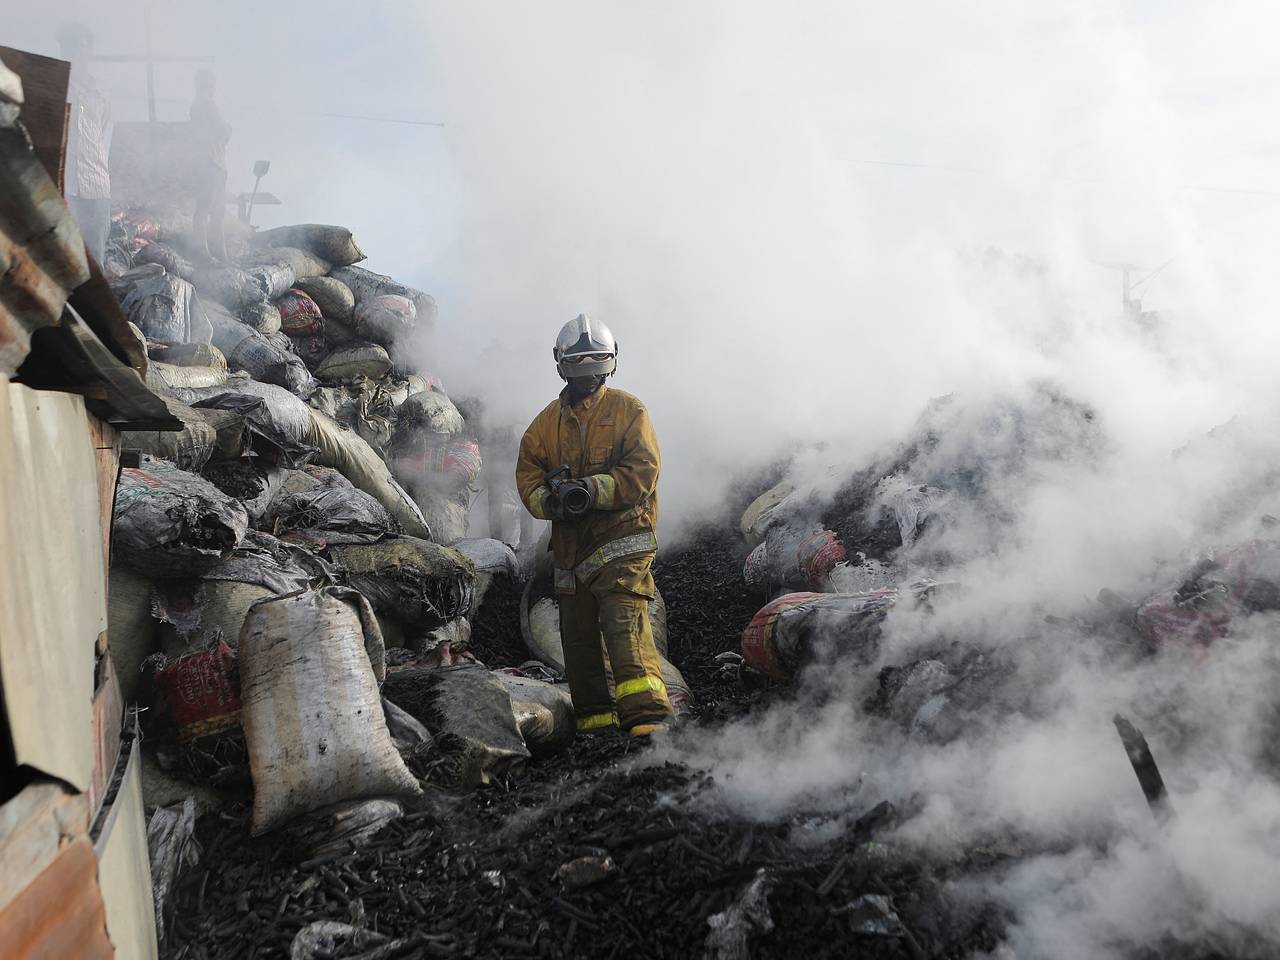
x: 42, y: 819
x: 108, y: 721
x: 61, y: 913
x: 106, y: 450
x: 44, y: 110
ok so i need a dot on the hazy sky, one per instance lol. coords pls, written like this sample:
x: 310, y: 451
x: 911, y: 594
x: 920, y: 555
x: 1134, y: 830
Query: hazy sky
x: 718, y: 181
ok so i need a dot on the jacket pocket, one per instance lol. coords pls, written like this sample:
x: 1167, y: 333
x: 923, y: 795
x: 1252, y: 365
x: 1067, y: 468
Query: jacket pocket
x: 600, y: 458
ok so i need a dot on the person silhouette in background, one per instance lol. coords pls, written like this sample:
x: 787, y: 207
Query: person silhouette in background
x: 508, y: 520
x: 88, y: 178
x: 210, y: 134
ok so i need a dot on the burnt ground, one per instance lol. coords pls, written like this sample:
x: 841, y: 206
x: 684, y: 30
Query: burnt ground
x: 708, y: 605
x: 476, y: 875
x: 495, y: 630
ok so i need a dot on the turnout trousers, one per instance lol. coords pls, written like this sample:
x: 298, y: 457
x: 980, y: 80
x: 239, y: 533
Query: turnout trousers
x: 615, y: 676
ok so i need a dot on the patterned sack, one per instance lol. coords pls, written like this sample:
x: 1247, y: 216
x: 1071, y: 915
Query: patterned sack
x: 788, y: 631
x: 1228, y: 583
x: 818, y: 554
x: 203, y: 691
x: 299, y: 314
x: 384, y: 318
x: 462, y: 461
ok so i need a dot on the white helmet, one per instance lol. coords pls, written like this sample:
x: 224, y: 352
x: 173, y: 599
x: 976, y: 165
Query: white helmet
x: 585, y: 348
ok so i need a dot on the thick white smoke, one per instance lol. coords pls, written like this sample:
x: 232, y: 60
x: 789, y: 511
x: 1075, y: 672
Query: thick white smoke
x: 335, y: 98
x: 697, y: 179
x: 803, y: 221
x: 1017, y: 752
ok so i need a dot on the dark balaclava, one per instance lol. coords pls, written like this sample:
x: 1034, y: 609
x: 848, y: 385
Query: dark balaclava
x: 582, y: 387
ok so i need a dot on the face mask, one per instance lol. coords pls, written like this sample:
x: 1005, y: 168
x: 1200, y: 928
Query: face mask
x: 582, y: 387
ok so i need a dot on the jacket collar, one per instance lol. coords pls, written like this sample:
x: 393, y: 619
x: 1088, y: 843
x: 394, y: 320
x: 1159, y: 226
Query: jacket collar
x: 587, y: 402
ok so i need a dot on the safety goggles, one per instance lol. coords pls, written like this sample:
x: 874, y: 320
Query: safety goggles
x: 589, y: 358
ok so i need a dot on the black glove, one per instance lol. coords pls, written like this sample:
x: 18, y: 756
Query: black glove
x: 552, y: 507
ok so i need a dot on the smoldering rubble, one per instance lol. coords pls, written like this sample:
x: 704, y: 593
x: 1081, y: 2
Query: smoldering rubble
x: 1001, y: 688
x: 883, y: 750
x: 928, y: 676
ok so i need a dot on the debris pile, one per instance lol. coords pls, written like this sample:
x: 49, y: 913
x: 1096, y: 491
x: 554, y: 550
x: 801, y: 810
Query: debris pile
x: 359, y: 742
x: 543, y: 858
x: 891, y: 519
x: 293, y: 588
x: 369, y: 703
x: 585, y: 856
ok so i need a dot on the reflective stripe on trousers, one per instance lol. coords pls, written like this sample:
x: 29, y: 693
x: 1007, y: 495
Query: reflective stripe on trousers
x: 566, y: 581
x: 609, y: 654
x: 597, y: 721
x: 645, y: 684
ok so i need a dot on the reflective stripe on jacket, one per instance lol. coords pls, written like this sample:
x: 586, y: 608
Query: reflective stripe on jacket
x: 607, y: 440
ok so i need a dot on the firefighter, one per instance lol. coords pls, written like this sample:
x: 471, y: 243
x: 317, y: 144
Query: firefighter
x: 211, y: 134
x: 604, y: 517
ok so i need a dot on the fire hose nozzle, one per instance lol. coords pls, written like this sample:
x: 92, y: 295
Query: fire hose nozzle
x: 573, y: 496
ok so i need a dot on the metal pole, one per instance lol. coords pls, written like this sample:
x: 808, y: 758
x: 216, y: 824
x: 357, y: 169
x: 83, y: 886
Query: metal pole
x: 1144, y: 765
x: 252, y: 197
x: 151, y: 68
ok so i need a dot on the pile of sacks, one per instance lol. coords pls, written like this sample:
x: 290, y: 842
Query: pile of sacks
x: 899, y: 514
x: 302, y: 540
x: 833, y: 553
x: 295, y: 315
x: 836, y: 555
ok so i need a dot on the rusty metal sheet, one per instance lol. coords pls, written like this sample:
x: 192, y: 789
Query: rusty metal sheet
x: 52, y: 603
x: 41, y: 250
x: 95, y: 302
x: 44, y: 105
x: 124, y: 867
x: 34, y: 825
x: 71, y: 357
x: 61, y: 913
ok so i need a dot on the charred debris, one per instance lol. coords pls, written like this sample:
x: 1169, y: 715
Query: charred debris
x: 321, y: 486
x: 357, y: 738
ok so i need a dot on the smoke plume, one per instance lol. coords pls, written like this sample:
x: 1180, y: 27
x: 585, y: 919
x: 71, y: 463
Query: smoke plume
x: 803, y: 222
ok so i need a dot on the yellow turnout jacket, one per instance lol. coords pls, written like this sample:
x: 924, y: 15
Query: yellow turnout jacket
x: 607, y: 439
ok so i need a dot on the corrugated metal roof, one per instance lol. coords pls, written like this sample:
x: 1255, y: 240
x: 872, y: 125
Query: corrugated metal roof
x: 41, y: 250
